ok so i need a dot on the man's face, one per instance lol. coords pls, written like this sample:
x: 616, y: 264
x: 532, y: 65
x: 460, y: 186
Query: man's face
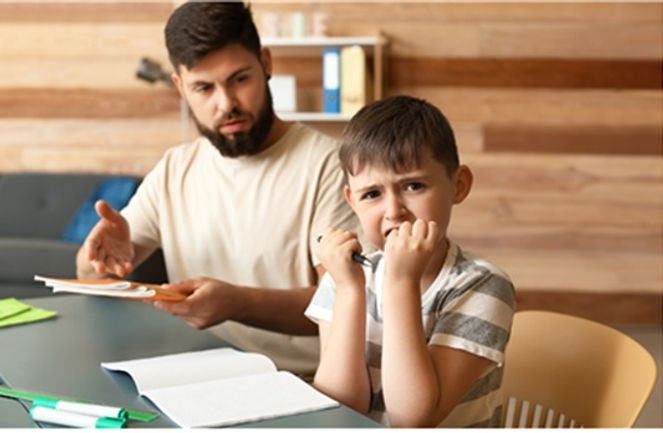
x: 228, y: 94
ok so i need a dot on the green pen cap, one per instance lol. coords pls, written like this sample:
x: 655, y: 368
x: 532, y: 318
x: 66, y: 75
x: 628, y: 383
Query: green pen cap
x: 45, y: 402
x: 111, y: 423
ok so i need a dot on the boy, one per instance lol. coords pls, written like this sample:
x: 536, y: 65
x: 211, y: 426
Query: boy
x: 417, y: 338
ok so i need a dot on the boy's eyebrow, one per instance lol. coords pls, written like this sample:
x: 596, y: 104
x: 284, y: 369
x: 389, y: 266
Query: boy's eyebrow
x: 408, y: 177
x: 366, y: 188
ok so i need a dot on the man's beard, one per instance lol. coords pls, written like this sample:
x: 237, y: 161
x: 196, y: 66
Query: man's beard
x: 241, y: 143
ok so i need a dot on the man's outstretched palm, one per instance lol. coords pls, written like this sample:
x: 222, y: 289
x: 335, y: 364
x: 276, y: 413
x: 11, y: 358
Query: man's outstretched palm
x: 108, y: 246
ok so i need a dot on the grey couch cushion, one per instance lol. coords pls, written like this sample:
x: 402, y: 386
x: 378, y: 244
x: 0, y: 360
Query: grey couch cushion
x: 22, y: 258
x: 40, y: 205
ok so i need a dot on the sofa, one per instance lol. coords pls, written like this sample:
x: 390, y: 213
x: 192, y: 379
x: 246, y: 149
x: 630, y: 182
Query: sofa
x: 35, y: 211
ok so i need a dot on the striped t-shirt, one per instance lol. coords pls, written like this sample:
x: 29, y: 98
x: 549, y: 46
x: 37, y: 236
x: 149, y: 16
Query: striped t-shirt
x: 469, y: 307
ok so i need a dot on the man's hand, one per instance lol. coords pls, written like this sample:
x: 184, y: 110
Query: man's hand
x: 408, y: 251
x: 108, y: 247
x: 208, y: 302
x: 335, y: 253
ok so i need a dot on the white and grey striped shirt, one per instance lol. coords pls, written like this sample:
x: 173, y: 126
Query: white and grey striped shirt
x: 469, y: 307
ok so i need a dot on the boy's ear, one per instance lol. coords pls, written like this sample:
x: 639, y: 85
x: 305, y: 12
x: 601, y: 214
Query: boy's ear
x: 463, y: 183
x: 348, y: 196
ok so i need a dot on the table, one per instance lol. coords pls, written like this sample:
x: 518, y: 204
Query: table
x: 62, y: 356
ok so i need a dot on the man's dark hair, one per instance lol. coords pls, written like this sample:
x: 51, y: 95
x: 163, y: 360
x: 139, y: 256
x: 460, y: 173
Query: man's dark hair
x: 392, y: 132
x: 195, y: 29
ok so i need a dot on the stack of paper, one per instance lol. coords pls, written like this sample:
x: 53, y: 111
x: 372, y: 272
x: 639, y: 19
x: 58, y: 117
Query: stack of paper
x: 15, y: 312
x: 110, y: 287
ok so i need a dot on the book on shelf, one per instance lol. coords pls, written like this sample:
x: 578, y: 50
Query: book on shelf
x: 331, y: 80
x: 111, y: 288
x: 355, y: 80
x: 220, y: 387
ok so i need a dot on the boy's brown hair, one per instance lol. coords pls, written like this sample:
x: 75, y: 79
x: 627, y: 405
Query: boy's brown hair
x: 392, y: 132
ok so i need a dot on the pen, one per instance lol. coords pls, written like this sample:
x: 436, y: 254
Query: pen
x: 362, y: 260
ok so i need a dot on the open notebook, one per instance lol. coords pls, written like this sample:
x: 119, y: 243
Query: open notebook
x: 220, y: 387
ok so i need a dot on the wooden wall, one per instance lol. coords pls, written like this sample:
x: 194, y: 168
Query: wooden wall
x: 557, y: 108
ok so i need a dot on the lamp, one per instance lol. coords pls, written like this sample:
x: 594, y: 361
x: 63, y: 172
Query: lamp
x: 151, y: 71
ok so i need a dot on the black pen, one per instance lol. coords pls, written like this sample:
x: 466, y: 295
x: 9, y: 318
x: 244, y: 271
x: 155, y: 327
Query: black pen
x: 362, y: 260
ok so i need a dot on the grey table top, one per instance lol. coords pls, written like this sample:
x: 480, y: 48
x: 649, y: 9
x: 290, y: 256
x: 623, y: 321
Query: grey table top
x: 62, y: 356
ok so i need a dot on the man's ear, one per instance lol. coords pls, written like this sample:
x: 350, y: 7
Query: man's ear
x: 266, y: 61
x: 178, y: 82
x: 348, y: 196
x: 463, y: 183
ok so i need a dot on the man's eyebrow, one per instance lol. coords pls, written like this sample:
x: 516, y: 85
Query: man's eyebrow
x: 239, y: 71
x: 229, y: 78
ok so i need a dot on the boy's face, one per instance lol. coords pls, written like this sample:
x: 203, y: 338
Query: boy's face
x: 384, y: 199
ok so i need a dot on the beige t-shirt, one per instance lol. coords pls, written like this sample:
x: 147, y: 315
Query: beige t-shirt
x: 250, y: 221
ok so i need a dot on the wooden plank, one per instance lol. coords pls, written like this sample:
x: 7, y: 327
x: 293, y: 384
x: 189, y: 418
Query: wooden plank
x: 553, y: 236
x: 513, y: 11
x: 91, y: 11
x: 599, y: 41
x: 615, y: 140
x: 541, y: 107
x: 567, y: 222
x: 89, y: 103
x: 82, y: 40
x: 107, y: 145
x: 579, y: 190
x: 569, y: 270
x: 611, y: 309
x: 525, y: 73
x: 81, y: 160
x: 610, y: 41
x: 76, y: 73
x: 512, y: 73
x: 123, y: 135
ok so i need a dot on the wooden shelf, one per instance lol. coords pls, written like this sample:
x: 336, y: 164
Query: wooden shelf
x: 364, y: 41
x: 375, y: 47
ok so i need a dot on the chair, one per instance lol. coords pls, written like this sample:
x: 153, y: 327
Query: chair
x: 566, y: 371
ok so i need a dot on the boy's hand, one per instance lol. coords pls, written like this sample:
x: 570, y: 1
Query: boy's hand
x: 335, y: 252
x: 408, y: 250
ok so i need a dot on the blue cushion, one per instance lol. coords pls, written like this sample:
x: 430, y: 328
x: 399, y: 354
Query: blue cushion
x: 116, y: 191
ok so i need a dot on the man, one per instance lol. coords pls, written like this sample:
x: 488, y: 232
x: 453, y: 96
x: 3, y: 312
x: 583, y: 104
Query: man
x: 243, y: 205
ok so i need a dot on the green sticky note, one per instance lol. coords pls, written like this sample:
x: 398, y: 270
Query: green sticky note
x: 31, y: 314
x: 11, y: 306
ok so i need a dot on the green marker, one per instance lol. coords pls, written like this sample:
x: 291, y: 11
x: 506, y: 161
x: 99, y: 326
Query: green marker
x: 71, y: 419
x: 82, y: 408
x: 132, y: 415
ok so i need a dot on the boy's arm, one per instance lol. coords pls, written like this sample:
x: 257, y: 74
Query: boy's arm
x: 342, y: 373
x: 421, y: 384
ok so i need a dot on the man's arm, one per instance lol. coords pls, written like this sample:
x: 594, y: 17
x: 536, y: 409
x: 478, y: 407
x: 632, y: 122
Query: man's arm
x: 210, y: 302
